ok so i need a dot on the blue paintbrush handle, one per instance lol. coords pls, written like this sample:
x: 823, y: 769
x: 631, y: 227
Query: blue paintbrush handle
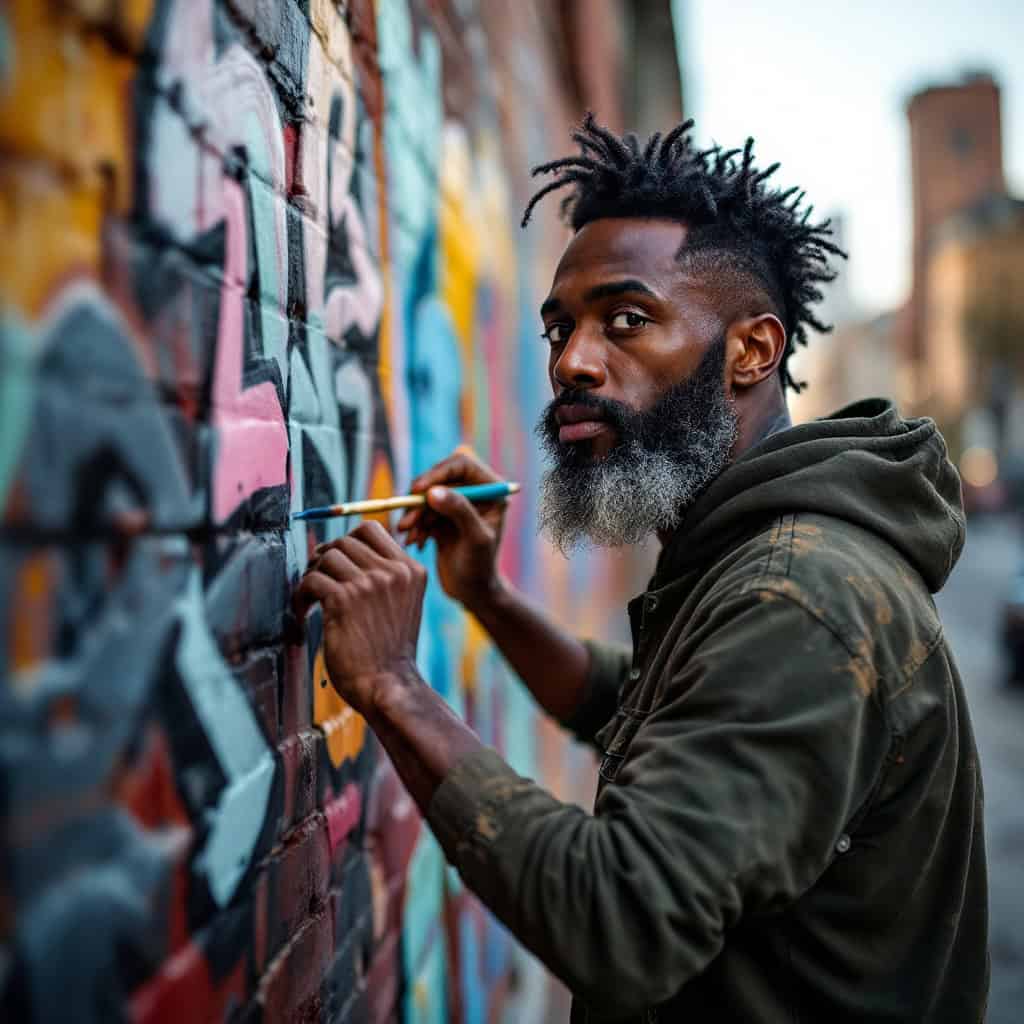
x: 484, y: 492
x: 372, y: 506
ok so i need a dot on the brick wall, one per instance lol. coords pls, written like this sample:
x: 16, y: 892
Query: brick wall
x: 259, y: 255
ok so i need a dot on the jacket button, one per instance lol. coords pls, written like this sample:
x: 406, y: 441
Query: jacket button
x: 652, y: 603
x: 843, y: 843
x: 634, y: 674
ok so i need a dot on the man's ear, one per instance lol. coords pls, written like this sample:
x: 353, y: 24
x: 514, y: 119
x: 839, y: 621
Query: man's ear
x: 754, y: 348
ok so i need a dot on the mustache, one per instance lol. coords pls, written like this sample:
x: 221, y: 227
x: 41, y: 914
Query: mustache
x: 678, y: 411
x: 616, y: 414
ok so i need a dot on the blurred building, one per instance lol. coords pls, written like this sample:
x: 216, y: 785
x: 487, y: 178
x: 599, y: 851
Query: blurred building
x: 973, y: 309
x: 854, y: 360
x: 621, y: 61
x: 956, y: 159
x: 971, y: 373
x: 961, y: 354
x: 953, y: 350
x: 858, y: 359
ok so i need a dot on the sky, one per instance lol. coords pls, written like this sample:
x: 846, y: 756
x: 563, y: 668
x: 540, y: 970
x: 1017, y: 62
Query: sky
x: 822, y: 88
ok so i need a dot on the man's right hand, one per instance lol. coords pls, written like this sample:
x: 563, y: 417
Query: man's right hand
x: 553, y: 663
x: 467, y: 535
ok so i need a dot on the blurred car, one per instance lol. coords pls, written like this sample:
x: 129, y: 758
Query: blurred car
x: 1013, y: 627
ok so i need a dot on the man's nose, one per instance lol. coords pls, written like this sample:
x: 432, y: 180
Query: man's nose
x: 581, y: 363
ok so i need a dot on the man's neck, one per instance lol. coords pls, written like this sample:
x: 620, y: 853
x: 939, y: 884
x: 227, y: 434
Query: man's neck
x: 780, y: 421
x: 766, y: 416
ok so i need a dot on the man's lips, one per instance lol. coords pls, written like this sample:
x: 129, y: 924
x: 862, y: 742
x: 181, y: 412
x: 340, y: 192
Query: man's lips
x: 576, y: 413
x: 582, y: 430
x: 579, y: 423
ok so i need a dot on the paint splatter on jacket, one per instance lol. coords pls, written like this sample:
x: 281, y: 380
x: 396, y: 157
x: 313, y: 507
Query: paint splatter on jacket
x: 788, y: 825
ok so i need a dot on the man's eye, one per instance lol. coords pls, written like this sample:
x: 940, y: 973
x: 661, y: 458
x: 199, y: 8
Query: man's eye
x: 556, y: 334
x: 628, y: 321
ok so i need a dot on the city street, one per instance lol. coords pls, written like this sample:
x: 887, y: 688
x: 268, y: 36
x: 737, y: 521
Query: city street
x: 970, y: 607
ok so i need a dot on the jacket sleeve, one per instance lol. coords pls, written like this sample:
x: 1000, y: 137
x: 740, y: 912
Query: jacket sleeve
x: 609, y: 664
x: 730, y: 800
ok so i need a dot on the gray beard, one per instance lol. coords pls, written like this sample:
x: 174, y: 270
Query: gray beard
x: 641, y: 488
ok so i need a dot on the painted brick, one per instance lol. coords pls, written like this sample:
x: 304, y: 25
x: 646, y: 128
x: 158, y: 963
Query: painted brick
x: 298, y: 757
x: 245, y: 601
x: 290, y: 988
x: 345, y: 978
x: 296, y: 691
x: 382, y: 980
x: 353, y: 896
x: 51, y: 223
x: 185, y: 990
x: 122, y: 25
x: 259, y: 677
x: 297, y: 879
x: 260, y: 255
x: 40, y: 119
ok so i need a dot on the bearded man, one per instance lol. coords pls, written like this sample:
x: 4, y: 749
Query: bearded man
x: 788, y: 823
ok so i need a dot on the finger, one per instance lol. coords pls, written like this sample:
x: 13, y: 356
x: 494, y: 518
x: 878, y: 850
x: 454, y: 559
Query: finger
x: 428, y: 521
x: 313, y: 588
x: 320, y: 550
x: 412, y: 535
x: 459, y: 467
x: 408, y: 521
x: 358, y: 553
x: 339, y: 543
x: 337, y: 564
x: 314, y: 556
x: 459, y: 509
x: 375, y: 537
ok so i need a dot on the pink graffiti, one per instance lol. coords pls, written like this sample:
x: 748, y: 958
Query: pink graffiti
x: 359, y: 303
x: 251, y: 435
x: 343, y: 815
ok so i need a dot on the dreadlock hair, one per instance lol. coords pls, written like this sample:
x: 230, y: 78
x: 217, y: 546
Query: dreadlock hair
x: 739, y: 227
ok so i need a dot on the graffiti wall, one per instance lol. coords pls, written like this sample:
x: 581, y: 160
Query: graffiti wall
x: 258, y: 256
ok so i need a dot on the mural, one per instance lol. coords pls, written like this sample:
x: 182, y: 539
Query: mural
x: 258, y: 261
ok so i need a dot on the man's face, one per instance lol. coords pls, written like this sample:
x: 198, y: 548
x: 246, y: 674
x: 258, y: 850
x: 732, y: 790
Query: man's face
x: 624, y: 321
x: 641, y: 421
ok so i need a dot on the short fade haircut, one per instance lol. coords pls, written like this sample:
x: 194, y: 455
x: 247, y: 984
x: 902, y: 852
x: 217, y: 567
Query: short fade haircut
x: 740, y: 229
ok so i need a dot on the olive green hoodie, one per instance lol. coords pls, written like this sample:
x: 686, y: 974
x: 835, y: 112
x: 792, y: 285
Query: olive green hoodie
x: 788, y: 824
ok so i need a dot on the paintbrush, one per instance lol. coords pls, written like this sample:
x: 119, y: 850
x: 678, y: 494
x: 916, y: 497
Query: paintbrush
x: 474, y: 492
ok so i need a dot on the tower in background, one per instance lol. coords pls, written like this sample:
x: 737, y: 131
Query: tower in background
x: 956, y: 155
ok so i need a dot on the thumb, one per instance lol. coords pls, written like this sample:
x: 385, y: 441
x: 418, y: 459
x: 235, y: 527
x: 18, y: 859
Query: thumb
x: 460, y: 511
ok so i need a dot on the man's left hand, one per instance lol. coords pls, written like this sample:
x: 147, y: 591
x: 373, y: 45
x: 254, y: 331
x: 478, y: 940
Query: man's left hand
x: 371, y: 593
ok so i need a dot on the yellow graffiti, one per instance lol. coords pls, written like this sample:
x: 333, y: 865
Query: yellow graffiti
x: 344, y: 728
x: 476, y: 249
x: 461, y: 252
x: 64, y: 126
x: 30, y: 622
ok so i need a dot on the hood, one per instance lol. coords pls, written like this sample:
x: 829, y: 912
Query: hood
x: 865, y: 464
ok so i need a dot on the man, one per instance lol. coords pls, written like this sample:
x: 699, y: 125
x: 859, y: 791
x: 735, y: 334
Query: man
x: 789, y: 817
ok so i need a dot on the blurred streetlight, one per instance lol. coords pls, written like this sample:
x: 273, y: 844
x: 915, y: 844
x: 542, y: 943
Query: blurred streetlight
x: 978, y: 467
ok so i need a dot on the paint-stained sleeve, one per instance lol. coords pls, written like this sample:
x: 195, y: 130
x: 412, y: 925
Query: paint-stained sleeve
x: 727, y: 799
x: 609, y: 664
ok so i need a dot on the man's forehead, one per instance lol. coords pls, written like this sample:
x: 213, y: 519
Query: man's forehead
x: 641, y: 247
